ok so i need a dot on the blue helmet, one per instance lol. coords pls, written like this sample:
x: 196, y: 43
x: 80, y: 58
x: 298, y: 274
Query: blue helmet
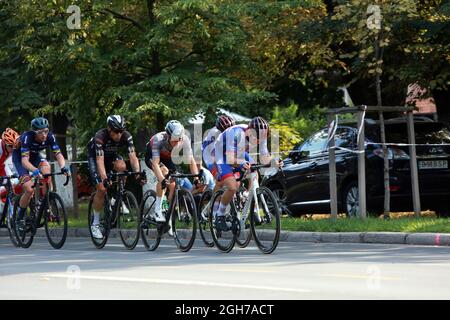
x: 39, y: 123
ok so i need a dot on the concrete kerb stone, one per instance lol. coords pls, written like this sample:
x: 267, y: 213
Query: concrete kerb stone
x: 351, y: 237
x: 436, y: 239
x: 384, y: 237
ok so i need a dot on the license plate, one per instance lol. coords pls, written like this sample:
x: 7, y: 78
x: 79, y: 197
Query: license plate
x: 433, y: 164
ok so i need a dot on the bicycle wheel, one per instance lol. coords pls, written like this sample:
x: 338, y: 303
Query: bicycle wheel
x: 128, y: 213
x: 202, y: 218
x: 25, y: 231
x: 224, y: 239
x: 104, y: 223
x: 265, y: 221
x: 184, y: 220
x: 10, y: 220
x: 55, y: 219
x: 245, y: 233
x: 150, y: 229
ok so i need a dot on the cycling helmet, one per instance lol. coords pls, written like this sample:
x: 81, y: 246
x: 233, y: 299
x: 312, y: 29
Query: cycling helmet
x: 174, y: 129
x: 9, y: 136
x: 116, y: 123
x: 223, y: 122
x: 258, y: 123
x: 39, y: 123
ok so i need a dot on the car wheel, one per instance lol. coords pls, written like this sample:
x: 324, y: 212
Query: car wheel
x: 351, y: 199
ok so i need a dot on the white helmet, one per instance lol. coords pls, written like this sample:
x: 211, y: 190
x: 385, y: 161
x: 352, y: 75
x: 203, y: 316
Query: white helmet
x: 174, y: 129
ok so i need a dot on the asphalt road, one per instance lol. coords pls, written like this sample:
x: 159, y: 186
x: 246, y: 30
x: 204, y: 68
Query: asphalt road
x: 293, y: 271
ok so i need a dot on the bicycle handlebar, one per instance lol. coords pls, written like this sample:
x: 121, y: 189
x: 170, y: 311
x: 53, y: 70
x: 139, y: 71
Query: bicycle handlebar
x: 253, y: 168
x: 14, y: 176
x: 184, y: 175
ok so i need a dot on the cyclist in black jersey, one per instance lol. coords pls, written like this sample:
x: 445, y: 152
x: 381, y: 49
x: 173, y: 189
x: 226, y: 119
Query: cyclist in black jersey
x: 103, y: 156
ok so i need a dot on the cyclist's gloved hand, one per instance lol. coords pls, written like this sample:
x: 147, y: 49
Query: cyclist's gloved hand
x: 36, y: 173
x: 164, y: 183
x: 65, y: 170
x: 141, y: 177
x: 246, y: 165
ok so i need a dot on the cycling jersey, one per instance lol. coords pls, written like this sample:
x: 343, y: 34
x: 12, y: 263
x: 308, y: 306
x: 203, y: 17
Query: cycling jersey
x: 159, y: 147
x: 103, y: 145
x: 208, y: 147
x: 3, y: 156
x: 29, y: 147
x: 235, y: 140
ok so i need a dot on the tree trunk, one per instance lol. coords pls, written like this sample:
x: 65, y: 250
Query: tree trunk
x: 387, y: 191
x: 74, y: 175
x: 156, y: 63
x: 442, y: 100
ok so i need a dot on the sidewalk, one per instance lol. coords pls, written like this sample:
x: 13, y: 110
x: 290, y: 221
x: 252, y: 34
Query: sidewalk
x: 433, y: 239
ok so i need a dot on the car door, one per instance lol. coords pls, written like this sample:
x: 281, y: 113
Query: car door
x: 300, y: 175
x: 345, y: 137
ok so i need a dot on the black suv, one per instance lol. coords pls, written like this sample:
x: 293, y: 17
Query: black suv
x: 303, y: 185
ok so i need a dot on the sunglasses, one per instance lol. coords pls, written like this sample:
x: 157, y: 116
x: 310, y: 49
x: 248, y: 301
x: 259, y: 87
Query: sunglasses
x: 43, y: 131
x: 9, y: 145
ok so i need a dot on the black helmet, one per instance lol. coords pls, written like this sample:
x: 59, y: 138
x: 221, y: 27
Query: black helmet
x: 39, y: 123
x: 223, y: 122
x: 116, y: 123
x: 258, y: 123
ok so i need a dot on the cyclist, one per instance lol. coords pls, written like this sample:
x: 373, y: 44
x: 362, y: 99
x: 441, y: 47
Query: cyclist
x: 103, y: 157
x: 27, y: 159
x: 7, y: 143
x: 232, y: 155
x: 223, y: 122
x: 159, y: 152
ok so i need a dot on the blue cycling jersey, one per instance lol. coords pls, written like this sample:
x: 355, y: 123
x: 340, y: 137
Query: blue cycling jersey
x: 30, y: 147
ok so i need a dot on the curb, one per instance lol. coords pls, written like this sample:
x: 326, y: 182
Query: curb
x: 430, y: 239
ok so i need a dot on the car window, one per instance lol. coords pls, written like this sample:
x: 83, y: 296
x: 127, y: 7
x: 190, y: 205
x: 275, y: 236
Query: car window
x: 315, y: 144
x: 344, y: 138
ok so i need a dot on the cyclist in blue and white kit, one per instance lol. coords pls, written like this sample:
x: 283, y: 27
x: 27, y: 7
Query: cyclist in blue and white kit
x: 232, y: 155
x: 27, y: 159
x: 223, y: 122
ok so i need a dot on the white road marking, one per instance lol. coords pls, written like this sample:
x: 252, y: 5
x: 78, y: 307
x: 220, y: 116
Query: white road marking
x: 178, y: 282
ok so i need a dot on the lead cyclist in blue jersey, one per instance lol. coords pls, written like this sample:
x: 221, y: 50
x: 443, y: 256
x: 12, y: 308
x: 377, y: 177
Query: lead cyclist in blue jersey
x: 27, y: 159
x: 232, y: 156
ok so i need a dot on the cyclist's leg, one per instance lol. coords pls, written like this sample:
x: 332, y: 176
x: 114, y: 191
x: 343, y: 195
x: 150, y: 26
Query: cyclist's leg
x: 45, y: 168
x: 25, y: 181
x: 226, y: 176
x: 119, y: 164
x: 99, y: 197
x: 160, y: 191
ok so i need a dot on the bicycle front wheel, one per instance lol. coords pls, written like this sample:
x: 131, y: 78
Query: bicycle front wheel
x: 128, y: 213
x: 202, y: 218
x: 10, y: 220
x: 55, y: 220
x: 265, y: 220
x: 184, y: 220
x: 245, y: 233
x: 224, y: 239
x: 25, y: 228
x: 99, y: 238
x: 150, y: 229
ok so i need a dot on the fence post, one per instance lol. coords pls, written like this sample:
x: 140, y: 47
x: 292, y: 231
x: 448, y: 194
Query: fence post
x: 332, y: 168
x: 361, y: 164
x: 413, y: 164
